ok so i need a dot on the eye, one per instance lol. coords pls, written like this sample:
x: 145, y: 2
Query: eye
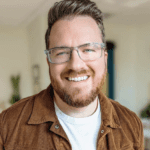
x: 89, y: 50
x: 62, y: 53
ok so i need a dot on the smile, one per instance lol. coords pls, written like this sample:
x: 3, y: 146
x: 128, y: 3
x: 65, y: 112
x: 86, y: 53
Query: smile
x: 78, y: 79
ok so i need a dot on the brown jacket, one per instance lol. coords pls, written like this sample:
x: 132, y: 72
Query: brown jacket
x: 31, y: 124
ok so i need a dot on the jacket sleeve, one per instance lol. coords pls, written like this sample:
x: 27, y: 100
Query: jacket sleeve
x: 140, y: 133
x: 1, y: 143
x: 1, y: 139
x: 141, y: 136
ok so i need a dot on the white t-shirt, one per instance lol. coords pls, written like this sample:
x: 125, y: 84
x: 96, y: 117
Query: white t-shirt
x: 82, y: 132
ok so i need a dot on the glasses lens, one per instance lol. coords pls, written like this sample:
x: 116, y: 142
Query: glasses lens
x: 90, y: 51
x: 59, y: 55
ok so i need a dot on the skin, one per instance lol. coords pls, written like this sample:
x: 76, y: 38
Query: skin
x: 77, y: 99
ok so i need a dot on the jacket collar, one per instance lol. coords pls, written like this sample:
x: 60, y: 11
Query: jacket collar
x: 108, y: 113
x: 44, y: 111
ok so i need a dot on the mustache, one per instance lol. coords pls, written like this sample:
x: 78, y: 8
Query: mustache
x: 75, y: 73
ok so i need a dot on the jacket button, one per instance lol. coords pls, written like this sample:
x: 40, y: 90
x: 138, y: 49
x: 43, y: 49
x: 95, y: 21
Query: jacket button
x: 102, y: 131
x: 57, y: 126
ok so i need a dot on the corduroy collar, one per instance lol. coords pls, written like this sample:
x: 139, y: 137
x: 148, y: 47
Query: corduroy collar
x: 44, y: 111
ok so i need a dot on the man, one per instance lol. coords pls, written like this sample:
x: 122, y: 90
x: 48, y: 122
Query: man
x: 72, y: 113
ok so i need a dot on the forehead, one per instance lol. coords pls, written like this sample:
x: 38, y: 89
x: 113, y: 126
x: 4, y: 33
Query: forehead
x: 75, y: 31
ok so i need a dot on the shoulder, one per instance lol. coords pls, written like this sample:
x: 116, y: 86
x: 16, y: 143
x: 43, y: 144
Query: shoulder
x: 125, y: 113
x: 16, y: 109
x: 129, y: 121
x: 12, y: 116
x: 20, y: 110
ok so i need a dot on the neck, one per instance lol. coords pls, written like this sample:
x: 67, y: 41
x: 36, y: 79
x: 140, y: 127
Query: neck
x: 76, y: 112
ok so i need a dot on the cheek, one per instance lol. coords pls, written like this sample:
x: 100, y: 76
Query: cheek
x: 55, y: 71
x: 99, y: 69
x: 98, y: 65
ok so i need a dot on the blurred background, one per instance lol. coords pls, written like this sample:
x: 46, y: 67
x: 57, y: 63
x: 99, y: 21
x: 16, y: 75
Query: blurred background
x: 23, y: 66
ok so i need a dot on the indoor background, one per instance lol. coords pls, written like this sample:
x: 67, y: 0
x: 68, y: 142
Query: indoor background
x: 23, y: 24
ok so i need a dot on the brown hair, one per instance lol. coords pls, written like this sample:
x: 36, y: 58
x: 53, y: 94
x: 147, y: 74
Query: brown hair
x: 71, y: 8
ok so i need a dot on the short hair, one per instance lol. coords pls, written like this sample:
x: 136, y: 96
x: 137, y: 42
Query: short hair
x: 67, y: 9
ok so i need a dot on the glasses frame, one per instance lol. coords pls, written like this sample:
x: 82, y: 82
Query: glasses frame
x: 71, y: 49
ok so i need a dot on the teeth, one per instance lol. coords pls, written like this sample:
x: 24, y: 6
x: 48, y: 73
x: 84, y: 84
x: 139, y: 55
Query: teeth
x: 78, y: 79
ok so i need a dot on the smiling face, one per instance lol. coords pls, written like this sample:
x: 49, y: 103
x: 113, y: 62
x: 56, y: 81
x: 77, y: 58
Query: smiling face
x: 72, y: 33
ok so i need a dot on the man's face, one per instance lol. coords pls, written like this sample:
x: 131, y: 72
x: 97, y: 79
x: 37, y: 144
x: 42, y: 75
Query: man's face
x: 72, y: 33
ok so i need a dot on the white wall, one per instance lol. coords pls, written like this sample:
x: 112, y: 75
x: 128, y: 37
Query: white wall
x: 132, y: 59
x: 36, y: 38
x: 20, y: 49
x: 143, y: 66
x: 14, y: 59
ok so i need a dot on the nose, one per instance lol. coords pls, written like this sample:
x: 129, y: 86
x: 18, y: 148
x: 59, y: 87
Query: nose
x: 76, y: 63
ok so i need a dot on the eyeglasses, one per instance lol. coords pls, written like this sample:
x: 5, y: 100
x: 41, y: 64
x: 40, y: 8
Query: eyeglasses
x: 89, y: 51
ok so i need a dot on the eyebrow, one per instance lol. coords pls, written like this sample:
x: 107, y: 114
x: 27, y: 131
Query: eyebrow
x: 64, y: 46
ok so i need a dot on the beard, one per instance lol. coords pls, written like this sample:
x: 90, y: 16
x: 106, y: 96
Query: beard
x: 71, y: 97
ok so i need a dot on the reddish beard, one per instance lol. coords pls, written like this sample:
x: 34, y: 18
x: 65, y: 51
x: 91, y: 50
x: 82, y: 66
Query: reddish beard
x: 69, y: 98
